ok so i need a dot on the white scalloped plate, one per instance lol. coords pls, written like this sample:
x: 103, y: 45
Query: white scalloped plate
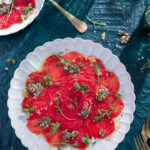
x: 33, y: 62
x: 17, y: 27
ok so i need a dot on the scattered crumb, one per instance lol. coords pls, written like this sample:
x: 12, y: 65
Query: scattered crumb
x: 125, y: 37
x: 24, y: 93
x: 103, y: 35
x: 112, y: 135
x: 13, y: 61
x: 118, y: 126
x: 8, y: 60
x: 6, y: 68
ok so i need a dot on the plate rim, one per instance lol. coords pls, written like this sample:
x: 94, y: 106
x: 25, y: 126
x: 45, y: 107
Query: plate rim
x: 68, y: 38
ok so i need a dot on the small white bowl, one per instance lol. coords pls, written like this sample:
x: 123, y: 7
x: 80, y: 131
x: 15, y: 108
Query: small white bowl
x: 17, y: 27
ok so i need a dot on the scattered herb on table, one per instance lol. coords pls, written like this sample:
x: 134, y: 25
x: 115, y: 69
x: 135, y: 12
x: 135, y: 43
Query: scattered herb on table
x: 55, y: 127
x: 75, y: 101
x: 146, y: 65
x: 103, y: 113
x: 28, y: 110
x: 60, y: 110
x: 117, y: 95
x: 86, y: 140
x: 95, y: 22
x: 26, y: 12
x: 98, y: 71
x: 11, y: 10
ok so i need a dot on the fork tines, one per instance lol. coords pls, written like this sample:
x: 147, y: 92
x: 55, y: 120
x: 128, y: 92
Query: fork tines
x: 140, y: 144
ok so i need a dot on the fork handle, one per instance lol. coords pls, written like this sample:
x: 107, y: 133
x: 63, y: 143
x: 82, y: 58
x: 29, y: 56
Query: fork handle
x: 78, y: 24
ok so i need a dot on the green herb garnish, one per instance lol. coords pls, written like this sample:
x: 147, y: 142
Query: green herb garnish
x: 103, y: 113
x: 118, y: 95
x: 86, y: 140
x: 28, y: 110
x: 75, y: 101
x: 97, y: 70
x: 57, y: 84
x: 60, y: 110
x: 62, y: 61
x: 95, y: 22
x: 66, y: 144
x: 47, y: 82
x: 25, y: 11
x: 11, y: 10
x: 55, y: 127
x: 80, y: 87
x: 146, y: 65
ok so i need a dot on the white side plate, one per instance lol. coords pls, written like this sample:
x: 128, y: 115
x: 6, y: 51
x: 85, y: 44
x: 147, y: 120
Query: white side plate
x: 17, y: 27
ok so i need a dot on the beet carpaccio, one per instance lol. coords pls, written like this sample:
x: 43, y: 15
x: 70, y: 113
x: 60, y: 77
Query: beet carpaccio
x: 72, y: 99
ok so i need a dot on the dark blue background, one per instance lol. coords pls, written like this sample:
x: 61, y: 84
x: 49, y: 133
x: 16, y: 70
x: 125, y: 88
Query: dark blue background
x: 51, y: 24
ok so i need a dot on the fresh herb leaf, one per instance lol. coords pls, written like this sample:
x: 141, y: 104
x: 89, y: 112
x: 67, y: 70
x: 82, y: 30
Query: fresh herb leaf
x: 55, y: 127
x: 75, y: 101
x: 60, y: 110
x: 103, y: 113
x: 146, y: 65
x: 28, y: 110
x: 86, y: 140
x: 27, y: 105
x: 80, y: 87
x: 11, y: 10
x: 87, y: 91
x: 57, y: 84
x: 83, y: 86
x: 118, y: 95
x: 95, y: 22
x: 25, y: 11
x: 97, y: 70
x: 77, y: 85
x: 47, y: 77
x: 50, y: 83
x: 62, y: 61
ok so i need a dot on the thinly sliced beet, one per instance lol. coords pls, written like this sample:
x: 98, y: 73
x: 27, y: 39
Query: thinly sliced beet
x: 68, y: 114
x: 107, y: 125
x: 110, y: 80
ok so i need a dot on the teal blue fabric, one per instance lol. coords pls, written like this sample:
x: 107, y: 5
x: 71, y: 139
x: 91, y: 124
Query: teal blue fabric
x: 51, y: 24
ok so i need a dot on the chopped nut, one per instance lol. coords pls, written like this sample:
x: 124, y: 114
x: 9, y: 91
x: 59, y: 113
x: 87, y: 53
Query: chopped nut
x: 6, y: 68
x: 125, y: 39
x: 81, y: 64
x: 102, y: 133
x: 44, y: 123
x: 13, y: 61
x: 69, y: 135
x: 8, y: 60
x: 85, y: 112
x: 103, y: 35
x: 102, y: 93
x: 70, y: 106
x: 35, y: 88
x: 71, y: 68
x: 94, y: 142
x: 4, y: 8
x: 92, y: 59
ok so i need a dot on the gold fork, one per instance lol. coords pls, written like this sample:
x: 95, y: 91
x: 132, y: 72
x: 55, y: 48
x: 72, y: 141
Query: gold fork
x: 78, y: 24
x: 141, y: 140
